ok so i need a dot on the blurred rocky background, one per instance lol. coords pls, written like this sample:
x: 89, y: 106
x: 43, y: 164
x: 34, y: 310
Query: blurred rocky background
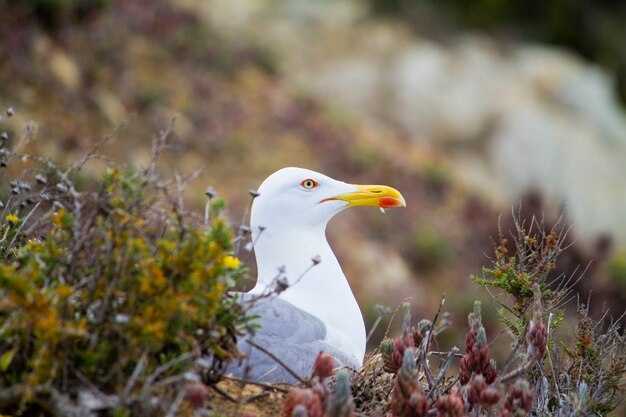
x: 471, y: 108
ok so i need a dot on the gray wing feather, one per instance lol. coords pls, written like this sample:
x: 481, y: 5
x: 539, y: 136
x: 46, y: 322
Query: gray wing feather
x: 292, y: 335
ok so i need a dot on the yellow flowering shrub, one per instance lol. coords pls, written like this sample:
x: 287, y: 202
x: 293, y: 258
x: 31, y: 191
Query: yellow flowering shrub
x: 114, y: 287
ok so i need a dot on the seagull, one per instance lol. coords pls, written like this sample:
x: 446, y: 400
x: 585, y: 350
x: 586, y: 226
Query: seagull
x: 316, y: 310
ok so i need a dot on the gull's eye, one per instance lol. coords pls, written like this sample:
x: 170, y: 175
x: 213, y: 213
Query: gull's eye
x: 309, y: 184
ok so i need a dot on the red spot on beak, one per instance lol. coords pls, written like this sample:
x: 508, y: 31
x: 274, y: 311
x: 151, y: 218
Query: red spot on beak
x: 388, y: 202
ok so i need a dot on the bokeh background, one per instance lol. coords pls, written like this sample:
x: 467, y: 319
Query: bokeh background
x: 471, y: 108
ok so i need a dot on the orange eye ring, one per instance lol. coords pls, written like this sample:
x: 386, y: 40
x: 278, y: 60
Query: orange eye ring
x: 309, y: 184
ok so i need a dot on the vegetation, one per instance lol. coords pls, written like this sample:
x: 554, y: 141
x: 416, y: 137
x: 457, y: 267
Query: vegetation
x: 113, y: 293
x: 543, y: 376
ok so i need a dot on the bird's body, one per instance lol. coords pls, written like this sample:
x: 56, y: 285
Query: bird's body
x: 317, y: 312
x: 292, y: 335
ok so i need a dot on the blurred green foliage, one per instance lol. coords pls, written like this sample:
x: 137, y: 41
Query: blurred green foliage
x: 514, y: 276
x: 429, y: 248
x: 617, y: 267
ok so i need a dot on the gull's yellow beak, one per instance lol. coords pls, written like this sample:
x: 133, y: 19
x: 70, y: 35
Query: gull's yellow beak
x: 372, y: 195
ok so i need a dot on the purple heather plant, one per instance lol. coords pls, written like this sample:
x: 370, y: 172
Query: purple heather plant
x: 407, y: 397
x: 537, y: 333
x: 477, y: 359
x: 451, y: 405
x: 519, y: 399
x: 392, y: 350
x: 317, y: 400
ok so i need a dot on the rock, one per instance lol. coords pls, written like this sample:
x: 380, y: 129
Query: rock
x: 445, y: 95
